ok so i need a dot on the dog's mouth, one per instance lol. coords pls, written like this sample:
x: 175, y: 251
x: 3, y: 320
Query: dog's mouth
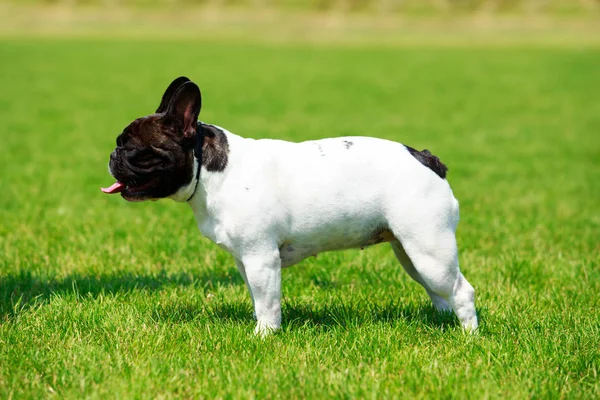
x: 129, y: 192
x: 116, y: 187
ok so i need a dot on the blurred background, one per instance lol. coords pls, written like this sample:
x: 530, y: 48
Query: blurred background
x: 277, y: 20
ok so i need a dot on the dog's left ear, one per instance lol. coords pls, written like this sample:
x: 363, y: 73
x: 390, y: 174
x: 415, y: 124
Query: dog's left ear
x: 185, y: 107
x: 170, y: 92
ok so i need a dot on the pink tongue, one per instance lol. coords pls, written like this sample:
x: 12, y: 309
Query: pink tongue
x: 114, y: 188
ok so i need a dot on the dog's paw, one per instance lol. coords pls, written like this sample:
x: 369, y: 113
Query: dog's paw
x: 471, y: 326
x: 263, y: 330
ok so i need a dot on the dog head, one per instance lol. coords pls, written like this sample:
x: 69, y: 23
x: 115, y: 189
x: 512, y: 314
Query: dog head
x: 154, y: 157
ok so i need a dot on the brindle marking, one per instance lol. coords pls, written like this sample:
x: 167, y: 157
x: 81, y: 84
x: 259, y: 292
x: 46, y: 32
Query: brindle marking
x: 152, y: 158
x: 215, y: 152
x: 429, y: 160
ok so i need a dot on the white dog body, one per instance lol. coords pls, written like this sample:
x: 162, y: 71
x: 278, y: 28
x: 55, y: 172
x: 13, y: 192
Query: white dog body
x: 277, y: 203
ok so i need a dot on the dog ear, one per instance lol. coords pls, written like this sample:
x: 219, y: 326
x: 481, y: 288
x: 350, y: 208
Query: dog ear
x: 170, y: 92
x: 185, y: 107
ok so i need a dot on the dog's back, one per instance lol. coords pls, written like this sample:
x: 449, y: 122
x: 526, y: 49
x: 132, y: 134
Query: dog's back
x: 331, y: 194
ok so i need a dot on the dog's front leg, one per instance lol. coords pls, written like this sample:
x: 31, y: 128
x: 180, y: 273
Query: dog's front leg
x: 242, y: 269
x: 263, y: 274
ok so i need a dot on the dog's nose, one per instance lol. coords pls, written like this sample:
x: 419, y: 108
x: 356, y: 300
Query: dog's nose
x: 112, y: 161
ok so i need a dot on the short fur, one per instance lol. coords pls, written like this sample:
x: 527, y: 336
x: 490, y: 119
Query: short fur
x: 272, y: 203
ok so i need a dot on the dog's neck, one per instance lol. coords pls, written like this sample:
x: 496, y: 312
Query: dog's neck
x: 197, y: 158
x: 211, y: 157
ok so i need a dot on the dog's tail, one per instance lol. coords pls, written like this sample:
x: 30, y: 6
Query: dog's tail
x: 430, y: 161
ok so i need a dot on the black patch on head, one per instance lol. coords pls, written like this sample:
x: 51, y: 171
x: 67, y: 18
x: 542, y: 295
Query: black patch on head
x: 348, y: 144
x: 215, y: 152
x: 429, y: 160
x: 152, y: 158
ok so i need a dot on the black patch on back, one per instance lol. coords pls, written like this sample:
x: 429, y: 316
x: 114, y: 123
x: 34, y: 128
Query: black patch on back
x: 429, y: 160
x: 215, y: 152
x: 348, y: 144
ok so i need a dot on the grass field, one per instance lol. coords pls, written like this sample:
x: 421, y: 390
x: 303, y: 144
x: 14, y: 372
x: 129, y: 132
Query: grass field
x: 101, y: 298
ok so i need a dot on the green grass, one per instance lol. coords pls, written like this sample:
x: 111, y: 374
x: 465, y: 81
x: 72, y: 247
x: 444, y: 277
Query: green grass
x: 102, y: 298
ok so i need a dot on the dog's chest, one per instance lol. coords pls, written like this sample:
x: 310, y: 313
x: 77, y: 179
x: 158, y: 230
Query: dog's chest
x: 216, y: 232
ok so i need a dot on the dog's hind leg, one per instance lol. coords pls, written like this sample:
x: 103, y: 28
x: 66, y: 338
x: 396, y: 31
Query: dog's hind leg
x: 439, y: 271
x: 426, y: 234
x: 439, y: 302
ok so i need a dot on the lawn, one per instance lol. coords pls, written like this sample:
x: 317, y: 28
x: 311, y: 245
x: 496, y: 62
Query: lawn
x: 101, y: 298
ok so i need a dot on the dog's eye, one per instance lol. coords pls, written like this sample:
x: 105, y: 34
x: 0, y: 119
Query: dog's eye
x: 121, y: 139
x: 147, y: 159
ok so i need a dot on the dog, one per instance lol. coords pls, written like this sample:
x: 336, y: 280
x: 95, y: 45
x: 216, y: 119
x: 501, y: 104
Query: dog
x: 272, y: 203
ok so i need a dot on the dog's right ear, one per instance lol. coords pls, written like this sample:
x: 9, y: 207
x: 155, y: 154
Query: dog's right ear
x: 170, y: 92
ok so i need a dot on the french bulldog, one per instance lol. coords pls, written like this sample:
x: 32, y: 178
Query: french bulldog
x: 273, y: 203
